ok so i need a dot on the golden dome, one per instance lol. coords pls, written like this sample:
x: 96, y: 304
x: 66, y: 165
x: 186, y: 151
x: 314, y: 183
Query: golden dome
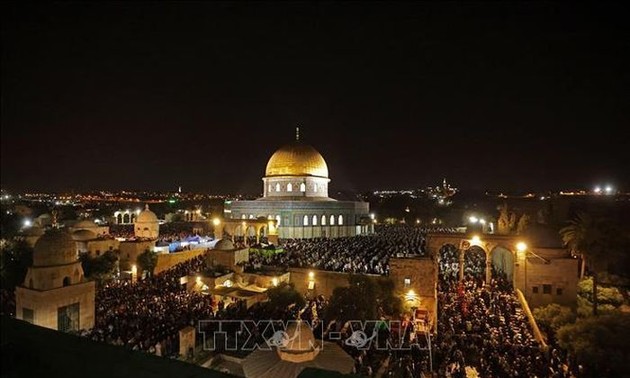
x: 297, y: 159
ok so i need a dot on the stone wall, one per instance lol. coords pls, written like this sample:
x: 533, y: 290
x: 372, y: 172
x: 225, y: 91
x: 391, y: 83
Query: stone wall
x: 45, y: 304
x: 129, y: 250
x: 325, y: 282
x: 545, y: 283
x: 228, y: 259
x: 100, y: 246
x: 167, y: 260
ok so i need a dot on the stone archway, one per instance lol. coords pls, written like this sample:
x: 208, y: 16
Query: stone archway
x: 448, y: 261
x: 487, y: 242
x: 503, y: 261
x: 475, y: 263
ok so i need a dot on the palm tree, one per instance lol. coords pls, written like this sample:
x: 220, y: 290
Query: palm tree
x: 594, y: 239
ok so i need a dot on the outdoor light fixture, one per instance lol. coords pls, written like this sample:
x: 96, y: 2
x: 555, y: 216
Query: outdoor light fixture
x: 475, y: 240
x: 411, y: 295
x: 274, y: 281
x: 521, y: 247
x: 216, y: 221
x: 473, y: 219
x: 311, y: 275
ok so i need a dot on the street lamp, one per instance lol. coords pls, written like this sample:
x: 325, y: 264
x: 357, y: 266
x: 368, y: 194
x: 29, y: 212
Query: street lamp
x: 521, y: 248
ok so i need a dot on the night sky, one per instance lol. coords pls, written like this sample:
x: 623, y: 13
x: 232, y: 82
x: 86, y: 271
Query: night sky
x: 152, y: 96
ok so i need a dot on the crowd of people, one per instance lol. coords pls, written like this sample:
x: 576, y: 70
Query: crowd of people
x: 147, y: 315
x: 367, y: 254
x: 482, y: 327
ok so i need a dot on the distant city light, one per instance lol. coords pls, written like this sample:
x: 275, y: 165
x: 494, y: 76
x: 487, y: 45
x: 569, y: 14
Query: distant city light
x: 482, y: 221
x: 609, y: 189
x: 598, y: 189
x: 27, y: 223
x: 473, y: 219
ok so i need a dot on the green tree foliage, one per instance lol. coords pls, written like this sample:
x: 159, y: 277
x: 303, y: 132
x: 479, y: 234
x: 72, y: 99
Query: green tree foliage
x: 388, y: 301
x: 9, y: 224
x: 363, y: 299
x: 600, y: 344
x: 15, y: 258
x: 100, y: 267
x: 597, y: 240
x: 605, y: 295
x: 147, y: 261
x: 554, y: 316
x: 282, y: 297
x: 523, y: 224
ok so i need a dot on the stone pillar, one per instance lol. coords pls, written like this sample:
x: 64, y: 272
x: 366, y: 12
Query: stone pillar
x: 488, y: 268
x: 461, y: 264
x: 186, y: 341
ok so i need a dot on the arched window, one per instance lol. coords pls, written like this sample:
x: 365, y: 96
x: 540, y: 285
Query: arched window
x: 302, y: 187
x: 251, y: 216
x: 323, y: 220
x: 243, y: 216
x: 277, y: 220
x: 314, y: 220
x: 277, y: 187
x: 66, y: 281
x: 305, y: 222
x: 289, y: 187
x: 332, y: 220
x: 340, y: 220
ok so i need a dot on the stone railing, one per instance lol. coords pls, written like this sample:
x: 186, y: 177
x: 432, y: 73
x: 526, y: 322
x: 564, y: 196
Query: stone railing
x: 532, y: 322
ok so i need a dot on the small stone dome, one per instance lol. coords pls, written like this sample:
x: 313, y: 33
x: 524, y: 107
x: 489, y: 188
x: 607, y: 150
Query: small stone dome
x: 224, y: 245
x: 297, y: 159
x: 55, y: 247
x: 147, y: 216
x: 301, y: 338
x: 83, y: 235
x: 301, y: 345
x: 86, y: 223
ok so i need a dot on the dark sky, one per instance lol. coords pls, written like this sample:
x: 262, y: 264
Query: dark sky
x: 154, y: 95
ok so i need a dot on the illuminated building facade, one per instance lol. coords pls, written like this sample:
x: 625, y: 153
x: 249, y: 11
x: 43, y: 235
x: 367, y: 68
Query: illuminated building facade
x: 295, y: 195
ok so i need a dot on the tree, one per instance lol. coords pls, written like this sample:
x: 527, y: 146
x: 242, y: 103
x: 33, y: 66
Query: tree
x: 15, y: 258
x: 596, y: 240
x: 600, y: 344
x: 283, y: 297
x: 100, y: 267
x: 554, y: 316
x: 504, y: 220
x: 523, y: 224
x: 147, y: 261
x: 363, y: 299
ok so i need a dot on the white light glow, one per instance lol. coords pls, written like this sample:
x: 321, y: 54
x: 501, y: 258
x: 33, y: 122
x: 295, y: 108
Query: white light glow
x: 473, y: 219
